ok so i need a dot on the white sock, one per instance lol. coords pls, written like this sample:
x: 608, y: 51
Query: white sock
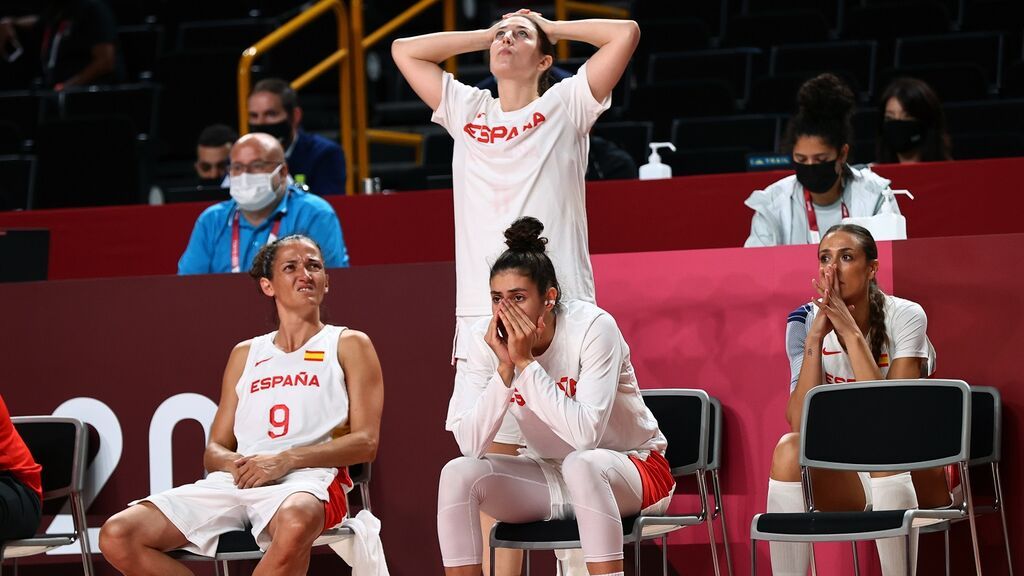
x: 895, y: 493
x: 570, y: 563
x: 788, y: 558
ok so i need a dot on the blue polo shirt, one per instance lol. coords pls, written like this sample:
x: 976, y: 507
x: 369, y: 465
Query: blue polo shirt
x: 209, y: 248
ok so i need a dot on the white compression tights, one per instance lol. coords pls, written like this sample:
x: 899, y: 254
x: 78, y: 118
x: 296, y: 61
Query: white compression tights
x: 603, y: 486
x: 887, y: 493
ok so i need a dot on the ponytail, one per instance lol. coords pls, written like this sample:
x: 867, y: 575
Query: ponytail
x: 879, y: 337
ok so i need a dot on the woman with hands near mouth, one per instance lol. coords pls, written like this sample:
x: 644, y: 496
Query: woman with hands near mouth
x: 297, y: 407
x: 851, y: 331
x: 561, y: 369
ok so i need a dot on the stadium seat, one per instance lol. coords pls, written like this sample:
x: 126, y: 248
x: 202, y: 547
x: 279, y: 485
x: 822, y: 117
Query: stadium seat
x: 141, y: 47
x: 981, y: 49
x: 221, y: 34
x: 775, y: 94
x: 854, y: 59
x: 139, y: 102
x: 76, y: 154
x: 660, y: 103
x: 17, y: 181
x: 633, y: 137
x: 757, y: 132
x: 951, y: 82
x: 777, y: 27
x: 735, y: 66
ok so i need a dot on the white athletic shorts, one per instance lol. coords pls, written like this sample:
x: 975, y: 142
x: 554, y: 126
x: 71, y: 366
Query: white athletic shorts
x: 204, y: 510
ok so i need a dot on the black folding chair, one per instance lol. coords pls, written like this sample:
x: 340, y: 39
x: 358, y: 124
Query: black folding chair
x: 241, y: 545
x: 684, y: 418
x: 986, y: 448
x: 59, y: 445
x: 884, y: 426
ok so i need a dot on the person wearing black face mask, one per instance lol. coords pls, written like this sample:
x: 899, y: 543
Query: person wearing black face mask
x: 274, y: 109
x: 824, y: 189
x: 213, y: 155
x: 914, y: 126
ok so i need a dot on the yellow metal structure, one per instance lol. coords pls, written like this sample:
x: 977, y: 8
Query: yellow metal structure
x: 341, y: 57
x: 564, y: 7
x: 350, y: 57
x: 361, y: 43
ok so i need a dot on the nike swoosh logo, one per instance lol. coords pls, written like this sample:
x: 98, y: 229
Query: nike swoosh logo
x: 827, y: 353
x: 262, y: 361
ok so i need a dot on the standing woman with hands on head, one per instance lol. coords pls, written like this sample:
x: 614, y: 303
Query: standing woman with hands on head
x: 523, y: 153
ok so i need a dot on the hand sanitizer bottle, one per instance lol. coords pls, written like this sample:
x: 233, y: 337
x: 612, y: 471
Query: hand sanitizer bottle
x: 654, y: 169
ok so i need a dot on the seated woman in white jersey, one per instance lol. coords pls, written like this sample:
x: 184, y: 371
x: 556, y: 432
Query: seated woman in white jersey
x: 524, y: 152
x: 825, y: 189
x: 561, y: 369
x: 297, y: 407
x: 852, y: 331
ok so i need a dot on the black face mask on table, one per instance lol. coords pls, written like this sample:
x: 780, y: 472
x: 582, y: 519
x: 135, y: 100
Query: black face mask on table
x: 903, y: 135
x: 817, y: 178
x: 281, y: 130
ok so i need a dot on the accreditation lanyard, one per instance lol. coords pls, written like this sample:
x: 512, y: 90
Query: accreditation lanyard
x: 812, y: 218
x: 235, y: 266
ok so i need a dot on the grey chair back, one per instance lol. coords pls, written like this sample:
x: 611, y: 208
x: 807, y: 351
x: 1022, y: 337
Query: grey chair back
x: 59, y: 445
x: 986, y: 425
x: 682, y: 416
x: 931, y: 417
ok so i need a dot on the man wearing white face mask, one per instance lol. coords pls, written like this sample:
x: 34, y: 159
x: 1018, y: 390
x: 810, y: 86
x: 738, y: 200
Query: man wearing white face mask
x: 263, y: 207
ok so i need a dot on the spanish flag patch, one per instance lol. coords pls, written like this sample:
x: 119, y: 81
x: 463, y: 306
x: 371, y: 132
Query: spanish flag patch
x: 314, y: 356
x: 883, y: 360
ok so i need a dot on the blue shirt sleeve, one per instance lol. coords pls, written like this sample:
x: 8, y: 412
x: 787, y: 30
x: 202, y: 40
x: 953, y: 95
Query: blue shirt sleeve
x: 796, y: 336
x: 198, y: 256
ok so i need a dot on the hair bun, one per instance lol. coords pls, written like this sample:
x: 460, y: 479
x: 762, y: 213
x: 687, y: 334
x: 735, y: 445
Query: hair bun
x: 524, y: 235
x: 826, y: 96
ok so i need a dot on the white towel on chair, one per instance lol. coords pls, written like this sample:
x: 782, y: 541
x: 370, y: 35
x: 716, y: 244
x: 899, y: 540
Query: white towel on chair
x: 364, y: 552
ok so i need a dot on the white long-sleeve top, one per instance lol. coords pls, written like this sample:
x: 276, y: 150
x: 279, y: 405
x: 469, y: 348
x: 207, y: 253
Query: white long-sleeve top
x: 581, y: 393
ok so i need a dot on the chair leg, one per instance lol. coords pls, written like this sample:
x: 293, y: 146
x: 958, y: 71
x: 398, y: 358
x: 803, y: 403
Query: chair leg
x: 636, y: 557
x: 1002, y: 514
x: 664, y: 555
x: 753, y: 557
x: 856, y: 563
x: 82, y: 529
x: 965, y: 478
x: 945, y: 537
x: 492, y: 559
x: 526, y: 553
x: 814, y: 564
x: 721, y: 510
x: 702, y: 486
x: 909, y: 556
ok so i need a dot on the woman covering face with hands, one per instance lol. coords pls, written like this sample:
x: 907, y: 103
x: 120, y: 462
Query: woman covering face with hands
x: 561, y: 369
x: 850, y: 331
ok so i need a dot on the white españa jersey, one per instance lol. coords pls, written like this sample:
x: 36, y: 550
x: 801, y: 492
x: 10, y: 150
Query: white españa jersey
x: 290, y: 399
x: 580, y: 394
x: 526, y: 162
x: 906, y: 327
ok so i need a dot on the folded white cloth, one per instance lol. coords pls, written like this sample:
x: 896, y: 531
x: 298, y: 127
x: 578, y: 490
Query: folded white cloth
x: 364, y: 552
